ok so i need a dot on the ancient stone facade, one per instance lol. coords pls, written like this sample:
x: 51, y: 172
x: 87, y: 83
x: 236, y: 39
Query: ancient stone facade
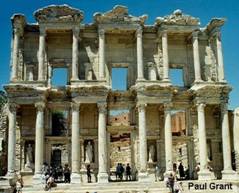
x: 89, y: 52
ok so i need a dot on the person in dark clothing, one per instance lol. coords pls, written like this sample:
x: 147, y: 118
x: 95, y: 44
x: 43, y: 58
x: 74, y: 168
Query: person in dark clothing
x: 170, y: 183
x: 121, y: 172
x: 117, y: 172
x: 88, y: 172
x: 128, y: 172
x: 67, y: 174
x: 181, y: 170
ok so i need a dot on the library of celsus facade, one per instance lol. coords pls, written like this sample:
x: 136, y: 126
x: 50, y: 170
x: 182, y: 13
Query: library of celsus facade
x: 72, y: 124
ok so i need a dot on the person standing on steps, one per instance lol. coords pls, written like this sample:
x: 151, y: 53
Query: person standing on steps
x: 128, y: 172
x: 88, y: 172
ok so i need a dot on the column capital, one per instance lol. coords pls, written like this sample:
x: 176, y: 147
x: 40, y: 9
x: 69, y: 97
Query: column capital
x: 164, y: 33
x: 75, y: 106
x: 195, y: 34
x: 102, y: 106
x: 12, y: 106
x: 101, y: 33
x: 42, y: 31
x: 139, y: 32
x: 141, y: 107
x: 40, y: 106
x: 76, y: 30
x: 168, y: 106
x: 201, y: 106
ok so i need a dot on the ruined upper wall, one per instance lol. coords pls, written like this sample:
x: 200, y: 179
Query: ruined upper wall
x: 58, y: 26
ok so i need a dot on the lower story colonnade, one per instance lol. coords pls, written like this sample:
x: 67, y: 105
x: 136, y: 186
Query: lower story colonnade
x: 97, y: 153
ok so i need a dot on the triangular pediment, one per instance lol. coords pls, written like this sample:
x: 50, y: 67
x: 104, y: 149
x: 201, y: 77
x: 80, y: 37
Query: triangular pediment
x: 58, y: 13
x: 119, y: 14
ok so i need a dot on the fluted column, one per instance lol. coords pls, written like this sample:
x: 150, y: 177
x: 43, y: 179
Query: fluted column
x: 75, y: 143
x: 75, y: 53
x: 196, y: 58
x: 221, y: 77
x: 140, y: 61
x: 16, y: 39
x: 168, y: 138
x: 39, y: 141
x: 102, y: 145
x: 12, y: 108
x: 165, y: 56
x: 204, y: 172
x: 227, y: 159
x: 101, y: 54
x: 41, y: 54
x: 142, y: 142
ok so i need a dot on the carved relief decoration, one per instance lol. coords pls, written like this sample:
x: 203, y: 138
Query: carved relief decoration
x: 119, y: 14
x: 210, y: 65
x: 178, y: 18
x: 215, y: 23
x: 58, y: 13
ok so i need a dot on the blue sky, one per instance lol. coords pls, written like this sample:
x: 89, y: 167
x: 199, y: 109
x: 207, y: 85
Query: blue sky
x: 204, y: 9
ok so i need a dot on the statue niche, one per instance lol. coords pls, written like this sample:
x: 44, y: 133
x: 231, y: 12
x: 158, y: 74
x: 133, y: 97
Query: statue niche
x: 89, y: 151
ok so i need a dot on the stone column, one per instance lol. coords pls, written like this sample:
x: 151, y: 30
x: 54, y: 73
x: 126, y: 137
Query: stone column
x: 12, y: 108
x: 39, y: 142
x: 75, y: 53
x: 227, y: 172
x: 165, y: 56
x: 101, y: 54
x: 142, y: 142
x: 236, y: 137
x: 204, y: 173
x: 196, y: 58
x: 102, y: 146
x: 168, y: 138
x: 41, y: 54
x: 140, y: 60
x: 221, y: 77
x: 16, y: 39
x: 75, y: 144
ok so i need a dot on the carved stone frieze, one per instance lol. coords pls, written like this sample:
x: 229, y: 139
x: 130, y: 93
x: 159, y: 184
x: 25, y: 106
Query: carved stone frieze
x: 58, y: 13
x: 178, y: 18
x: 210, y: 68
x: 119, y: 14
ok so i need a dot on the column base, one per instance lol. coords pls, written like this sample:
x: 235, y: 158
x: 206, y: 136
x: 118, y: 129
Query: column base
x: 103, y: 178
x: 75, y: 178
x: 12, y: 178
x: 229, y: 175
x: 205, y: 175
x: 198, y: 81
x: 38, y: 179
x: 143, y: 177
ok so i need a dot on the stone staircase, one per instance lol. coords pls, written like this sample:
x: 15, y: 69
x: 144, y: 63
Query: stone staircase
x: 125, y: 187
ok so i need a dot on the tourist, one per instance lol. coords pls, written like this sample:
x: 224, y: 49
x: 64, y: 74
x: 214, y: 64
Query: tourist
x: 50, y: 183
x: 181, y: 171
x: 88, y: 172
x: 67, y: 174
x: 60, y: 172
x: 128, y: 172
x: 121, y: 171
x: 170, y: 182
x: 117, y: 172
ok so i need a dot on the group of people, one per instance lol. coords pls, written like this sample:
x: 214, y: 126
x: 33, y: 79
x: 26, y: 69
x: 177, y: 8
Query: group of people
x: 120, y: 172
x: 51, y: 175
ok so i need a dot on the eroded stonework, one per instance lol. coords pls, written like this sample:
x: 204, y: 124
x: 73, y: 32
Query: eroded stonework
x: 166, y: 123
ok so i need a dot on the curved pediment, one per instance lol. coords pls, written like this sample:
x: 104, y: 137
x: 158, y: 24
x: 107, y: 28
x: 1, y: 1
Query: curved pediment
x: 58, y: 13
x: 178, y: 18
x: 119, y: 14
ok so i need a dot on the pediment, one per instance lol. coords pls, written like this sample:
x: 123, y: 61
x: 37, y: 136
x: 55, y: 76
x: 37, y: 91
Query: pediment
x: 178, y: 18
x: 58, y: 13
x: 119, y: 14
